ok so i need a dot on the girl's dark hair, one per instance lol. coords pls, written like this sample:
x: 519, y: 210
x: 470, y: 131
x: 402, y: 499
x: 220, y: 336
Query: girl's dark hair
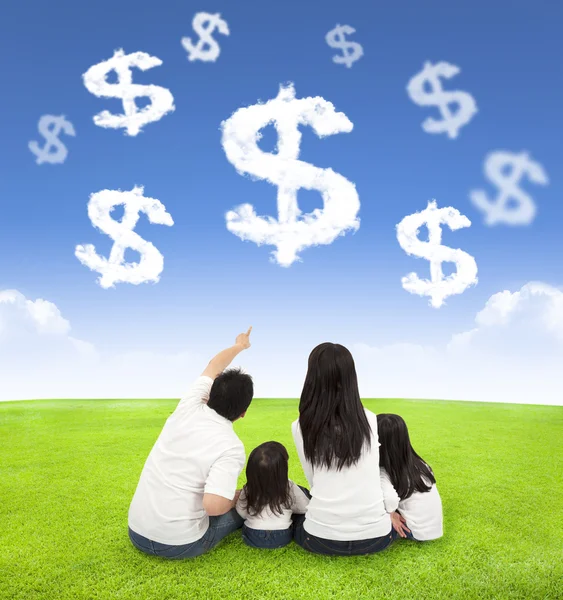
x: 267, y: 483
x: 404, y: 466
x: 332, y: 419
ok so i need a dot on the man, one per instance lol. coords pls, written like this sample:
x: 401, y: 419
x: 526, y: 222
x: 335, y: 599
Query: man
x: 185, y: 499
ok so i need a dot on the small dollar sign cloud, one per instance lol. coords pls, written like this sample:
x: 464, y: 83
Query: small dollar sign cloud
x: 49, y: 127
x: 197, y: 52
x: 292, y: 231
x: 452, y: 122
x: 439, y: 287
x: 115, y: 269
x: 162, y: 101
x: 351, y: 51
x: 498, y: 211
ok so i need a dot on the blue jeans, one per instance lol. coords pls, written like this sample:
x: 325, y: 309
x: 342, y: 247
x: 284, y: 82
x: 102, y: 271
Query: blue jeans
x: 318, y: 545
x: 219, y: 528
x: 266, y: 538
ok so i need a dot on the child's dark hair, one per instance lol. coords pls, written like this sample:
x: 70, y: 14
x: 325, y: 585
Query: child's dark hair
x: 405, y: 468
x: 267, y: 483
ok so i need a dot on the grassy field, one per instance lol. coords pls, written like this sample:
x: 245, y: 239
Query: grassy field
x: 68, y: 470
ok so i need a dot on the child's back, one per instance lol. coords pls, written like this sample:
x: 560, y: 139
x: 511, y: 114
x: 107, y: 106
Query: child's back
x: 267, y: 519
x: 269, y: 498
x: 407, y: 482
x: 421, y: 510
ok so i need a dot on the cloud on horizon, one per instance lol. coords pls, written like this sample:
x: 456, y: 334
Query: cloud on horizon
x: 513, y: 353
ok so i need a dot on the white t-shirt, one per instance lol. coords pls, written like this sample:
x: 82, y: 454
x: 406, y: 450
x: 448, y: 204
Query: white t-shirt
x: 197, y: 452
x: 346, y: 505
x: 422, y: 510
x: 267, y: 519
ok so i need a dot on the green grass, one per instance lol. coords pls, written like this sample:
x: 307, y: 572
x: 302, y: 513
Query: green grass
x: 68, y: 470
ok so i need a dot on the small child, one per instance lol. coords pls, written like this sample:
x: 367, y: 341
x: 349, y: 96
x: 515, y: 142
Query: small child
x: 408, y: 483
x: 269, y: 498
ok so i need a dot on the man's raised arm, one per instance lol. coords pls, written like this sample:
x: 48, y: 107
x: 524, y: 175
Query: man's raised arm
x: 220, y: 362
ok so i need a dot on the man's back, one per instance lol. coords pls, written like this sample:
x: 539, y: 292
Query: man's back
x: 197, y: 452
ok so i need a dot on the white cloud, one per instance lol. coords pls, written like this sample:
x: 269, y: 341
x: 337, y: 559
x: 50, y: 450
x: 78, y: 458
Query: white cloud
x: 95, y: 81
x: 513, y: 354
x: 438, y: 287
x: 114, y: 269
x: 40, y: 315
x: 497, y: 210
x: 293, y: 231
x: 40, y: 359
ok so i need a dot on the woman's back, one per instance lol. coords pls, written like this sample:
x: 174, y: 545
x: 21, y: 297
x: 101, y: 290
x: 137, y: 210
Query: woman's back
x: 346, y: 504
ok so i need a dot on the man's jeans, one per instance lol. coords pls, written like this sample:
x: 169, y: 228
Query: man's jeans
x: 267, y: 539
x: 219, y: 528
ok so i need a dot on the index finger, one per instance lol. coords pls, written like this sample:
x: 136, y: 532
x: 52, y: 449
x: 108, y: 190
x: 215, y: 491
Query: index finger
x: 249, y: 330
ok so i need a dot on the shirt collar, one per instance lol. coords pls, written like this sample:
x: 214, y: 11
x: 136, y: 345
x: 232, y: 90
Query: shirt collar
x: 215, y: 416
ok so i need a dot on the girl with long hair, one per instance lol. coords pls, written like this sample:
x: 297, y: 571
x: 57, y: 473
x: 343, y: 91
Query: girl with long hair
x: 408, y: 483
x: 269, y: 499
x: 337, y: 444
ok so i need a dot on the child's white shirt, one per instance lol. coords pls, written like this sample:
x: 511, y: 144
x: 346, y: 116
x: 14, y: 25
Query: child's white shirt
x: 270, y: 521
x: 422, y: 510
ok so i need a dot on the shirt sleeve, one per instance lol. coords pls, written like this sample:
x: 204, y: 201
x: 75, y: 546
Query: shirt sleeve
x: 198, y: 393
x: 224, y: 473
x: 299, y: 501
x: 390, y: 497
x: 298, y: 439
x: 241, y: 506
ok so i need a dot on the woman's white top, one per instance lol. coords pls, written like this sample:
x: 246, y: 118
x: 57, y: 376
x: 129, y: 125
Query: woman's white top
x: 346, y: 505
x: 422, y: 510
x: 267, y: 519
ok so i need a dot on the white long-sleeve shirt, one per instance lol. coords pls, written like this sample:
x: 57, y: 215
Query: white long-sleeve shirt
x: 196, y: 453
x: 422, y: 510
x: 267, y: 519
x: 346, y: 505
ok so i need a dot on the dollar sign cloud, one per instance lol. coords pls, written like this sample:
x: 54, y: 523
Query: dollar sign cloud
x: 162, y: 101
x: 114, y: 269
x: 212, y: 52
x: 512, y: 205
x: 292, y: 231
x: 439, y: 287
x: 451, y: 122
x: 351, y: 51
x: 49, y: 127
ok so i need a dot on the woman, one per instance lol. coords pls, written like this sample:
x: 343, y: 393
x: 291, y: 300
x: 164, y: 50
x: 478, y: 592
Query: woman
x: 337, y: 444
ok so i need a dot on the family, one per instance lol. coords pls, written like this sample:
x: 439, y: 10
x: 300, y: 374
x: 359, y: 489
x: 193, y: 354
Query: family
x: 367, y: 485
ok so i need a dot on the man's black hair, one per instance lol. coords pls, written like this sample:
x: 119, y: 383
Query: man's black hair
x: 231, y: 394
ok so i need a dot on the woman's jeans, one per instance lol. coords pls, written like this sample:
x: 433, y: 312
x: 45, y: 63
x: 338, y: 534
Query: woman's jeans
x: 267, y: 539
x: 219, y: 528
x: 318, y: 545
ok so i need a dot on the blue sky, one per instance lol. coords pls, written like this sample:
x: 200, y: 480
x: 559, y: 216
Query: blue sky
x: 213, y: 284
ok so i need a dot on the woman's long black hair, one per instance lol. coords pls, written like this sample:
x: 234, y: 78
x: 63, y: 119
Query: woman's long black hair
x: 403, y: 465
x: 267, y: 483
x: 333, y: 421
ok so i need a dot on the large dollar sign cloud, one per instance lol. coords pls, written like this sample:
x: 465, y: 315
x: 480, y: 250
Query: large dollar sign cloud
x: 439, y: 287
x: 162, y: 101
x: 498, y: 211
x: 114, y: 269
x: 293, y: 231
x: 451, y: 123
x: 50, y: 126
x: 212, y: 52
